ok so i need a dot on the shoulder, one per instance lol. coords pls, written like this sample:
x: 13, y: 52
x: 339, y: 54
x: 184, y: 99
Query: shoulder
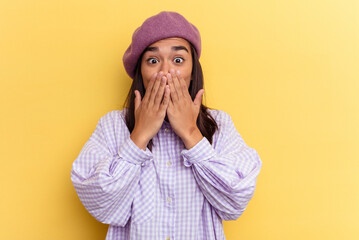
x: 226, y: 126
x: 113, y: 116
x: 226, y: 134
x: 221, y: 117
x: 113, y: 121
x: 110, y: 131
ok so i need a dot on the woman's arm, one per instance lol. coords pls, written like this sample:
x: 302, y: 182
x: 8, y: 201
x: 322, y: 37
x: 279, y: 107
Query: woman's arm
x: 226, y: 173
x: 105, y: 178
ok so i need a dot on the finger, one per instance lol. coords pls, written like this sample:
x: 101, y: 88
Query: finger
x: 149, y: 87
x: 184, y: 89
x: 137, y: 99
x: 176, y: 83
x: 166, y: 99
x: 198, y: 98
x: 160, y: 91
x: 174, y: 95
x: 155, y: 88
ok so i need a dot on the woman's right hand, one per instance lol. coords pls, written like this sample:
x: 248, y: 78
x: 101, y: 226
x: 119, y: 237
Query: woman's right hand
x: 151, y: 110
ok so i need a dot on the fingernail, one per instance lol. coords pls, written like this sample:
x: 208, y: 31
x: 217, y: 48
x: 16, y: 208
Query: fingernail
x: 178, y: 72
x: 172, y: 71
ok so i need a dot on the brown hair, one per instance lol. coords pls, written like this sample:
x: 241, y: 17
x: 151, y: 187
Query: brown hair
x: 205, y: 122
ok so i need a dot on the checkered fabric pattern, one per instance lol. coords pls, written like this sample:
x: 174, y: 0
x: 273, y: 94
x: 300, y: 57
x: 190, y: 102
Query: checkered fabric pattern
x: 169, y: 193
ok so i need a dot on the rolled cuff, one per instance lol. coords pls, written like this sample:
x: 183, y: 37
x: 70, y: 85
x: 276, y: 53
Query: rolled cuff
x: 130, y: 152
x: 202, y: 151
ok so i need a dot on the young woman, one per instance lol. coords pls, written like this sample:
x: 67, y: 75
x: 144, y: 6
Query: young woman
x: 165, y: 167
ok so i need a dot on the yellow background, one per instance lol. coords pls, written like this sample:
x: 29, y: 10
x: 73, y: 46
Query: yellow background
x: 286, y: 71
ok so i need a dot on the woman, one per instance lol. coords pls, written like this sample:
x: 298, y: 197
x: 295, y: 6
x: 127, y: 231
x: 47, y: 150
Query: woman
x: 165, y: 167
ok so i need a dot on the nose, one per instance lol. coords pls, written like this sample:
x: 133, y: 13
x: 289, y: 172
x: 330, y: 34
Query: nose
x: 165, y: 66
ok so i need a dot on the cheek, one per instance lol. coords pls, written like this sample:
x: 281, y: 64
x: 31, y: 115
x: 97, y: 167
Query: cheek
x: 145, y: 81
x: 188, y: 76
x: 146, y: 76
x: 188, y: 80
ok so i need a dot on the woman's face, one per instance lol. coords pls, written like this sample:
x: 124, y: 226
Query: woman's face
x: 164, y: 55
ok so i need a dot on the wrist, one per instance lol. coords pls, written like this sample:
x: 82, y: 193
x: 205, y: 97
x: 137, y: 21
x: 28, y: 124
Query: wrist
x: 139, y: 139
x: 193, y: 136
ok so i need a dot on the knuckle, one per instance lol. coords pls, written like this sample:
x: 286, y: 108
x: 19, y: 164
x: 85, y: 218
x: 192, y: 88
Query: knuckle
x: 158, y: 95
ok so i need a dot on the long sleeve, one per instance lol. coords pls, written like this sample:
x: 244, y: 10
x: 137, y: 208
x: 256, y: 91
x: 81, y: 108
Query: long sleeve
x: 107, y: 171
x: 226, y: 172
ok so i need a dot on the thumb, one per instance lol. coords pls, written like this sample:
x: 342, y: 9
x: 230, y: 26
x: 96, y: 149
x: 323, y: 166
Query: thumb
x: 198, y: 98
x: 137, y: 99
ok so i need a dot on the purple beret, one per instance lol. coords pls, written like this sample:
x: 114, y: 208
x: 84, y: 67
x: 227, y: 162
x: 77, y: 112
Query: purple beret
x: 163, y: 25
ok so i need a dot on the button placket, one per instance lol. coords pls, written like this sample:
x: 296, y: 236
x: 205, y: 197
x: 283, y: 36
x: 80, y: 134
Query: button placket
x: 168, y: 165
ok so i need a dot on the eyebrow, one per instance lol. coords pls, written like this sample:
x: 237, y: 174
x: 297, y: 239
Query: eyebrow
x: 175, y: 48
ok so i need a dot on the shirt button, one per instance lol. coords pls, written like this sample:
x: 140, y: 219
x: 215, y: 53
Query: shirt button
x: 169, y: 163
x: 169, y: 199
x: 143, y: 164
x: 166, y: 129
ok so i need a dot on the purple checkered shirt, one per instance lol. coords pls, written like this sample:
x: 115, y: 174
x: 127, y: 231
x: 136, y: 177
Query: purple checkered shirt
x: 170, y: 193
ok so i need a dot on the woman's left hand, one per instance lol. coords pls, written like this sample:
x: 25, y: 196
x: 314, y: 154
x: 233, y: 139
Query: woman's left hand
x: 182, y: 112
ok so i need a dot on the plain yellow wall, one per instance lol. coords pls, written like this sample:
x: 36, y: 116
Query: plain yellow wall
x: 286, y: 71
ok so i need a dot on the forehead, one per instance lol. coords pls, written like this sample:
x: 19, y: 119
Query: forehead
x: 169, y: 42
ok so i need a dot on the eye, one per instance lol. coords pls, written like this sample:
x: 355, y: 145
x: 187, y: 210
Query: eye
x: 152, y: 60
x: 178, y: 60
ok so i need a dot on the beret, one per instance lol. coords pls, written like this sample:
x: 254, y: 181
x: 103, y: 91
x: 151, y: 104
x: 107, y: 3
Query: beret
x: 165, y: 24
